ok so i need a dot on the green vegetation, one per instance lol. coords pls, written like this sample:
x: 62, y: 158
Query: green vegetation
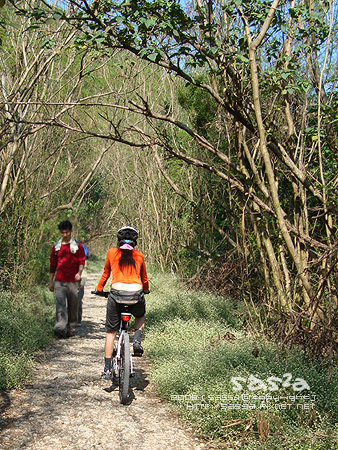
x: 26, y: 325
x: 231, y: 106
x: 96, y: 263
x: 212, y: 128
x: 197, y: 344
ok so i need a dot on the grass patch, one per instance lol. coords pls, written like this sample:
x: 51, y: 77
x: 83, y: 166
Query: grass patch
x: 96, y: 263
x: 26, y: 325
x: 197, y: 346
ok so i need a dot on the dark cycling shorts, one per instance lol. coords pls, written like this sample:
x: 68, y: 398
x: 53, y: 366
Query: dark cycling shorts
x: 114, y: 309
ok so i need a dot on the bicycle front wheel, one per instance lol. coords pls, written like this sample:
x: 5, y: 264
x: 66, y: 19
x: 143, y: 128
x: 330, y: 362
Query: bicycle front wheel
x: 124, y: 371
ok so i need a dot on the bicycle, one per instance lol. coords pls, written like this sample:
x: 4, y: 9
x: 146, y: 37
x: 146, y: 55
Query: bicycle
x: 123, y: 361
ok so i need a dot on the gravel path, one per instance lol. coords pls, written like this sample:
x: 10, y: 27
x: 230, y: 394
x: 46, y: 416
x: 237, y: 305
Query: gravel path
x: 67, y: 406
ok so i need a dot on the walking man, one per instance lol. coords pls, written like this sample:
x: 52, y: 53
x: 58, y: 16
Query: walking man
x: 67, y: 260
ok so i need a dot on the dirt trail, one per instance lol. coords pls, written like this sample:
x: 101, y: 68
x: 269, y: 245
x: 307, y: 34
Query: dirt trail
x: 67, y: 406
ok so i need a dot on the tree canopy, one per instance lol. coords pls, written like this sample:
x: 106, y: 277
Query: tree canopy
x: 235, y: 103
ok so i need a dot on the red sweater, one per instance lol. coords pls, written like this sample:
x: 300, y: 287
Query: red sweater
x: 136, y: 275
x: 65, y: 263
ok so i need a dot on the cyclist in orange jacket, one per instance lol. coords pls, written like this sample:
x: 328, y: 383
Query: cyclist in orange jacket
x: 129, y: 284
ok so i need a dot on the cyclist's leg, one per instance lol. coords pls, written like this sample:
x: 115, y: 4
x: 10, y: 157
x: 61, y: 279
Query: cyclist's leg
x: 139, y: 312
x: 112, y: 326
x: 109, y: 343
x: 61, y: 315
x: 139, y: 323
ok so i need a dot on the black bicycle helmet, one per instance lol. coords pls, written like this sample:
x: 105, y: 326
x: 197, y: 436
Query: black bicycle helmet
x: 127, y: 233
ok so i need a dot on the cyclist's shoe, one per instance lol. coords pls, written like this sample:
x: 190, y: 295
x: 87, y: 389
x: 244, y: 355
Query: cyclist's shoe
x: 60, y: 333
x: 115, y: 380
x: 70, y: 333
x: 138, y: 349
x: 106, y: 374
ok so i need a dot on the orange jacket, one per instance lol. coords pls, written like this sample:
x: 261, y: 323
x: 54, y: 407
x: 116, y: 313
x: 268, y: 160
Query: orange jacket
x: 131, y: 275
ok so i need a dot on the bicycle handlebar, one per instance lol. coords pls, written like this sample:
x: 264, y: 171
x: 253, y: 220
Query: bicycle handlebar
x: 100, y: 293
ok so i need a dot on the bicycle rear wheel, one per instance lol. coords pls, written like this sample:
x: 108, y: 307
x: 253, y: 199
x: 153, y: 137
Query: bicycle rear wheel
x: 124, y: 371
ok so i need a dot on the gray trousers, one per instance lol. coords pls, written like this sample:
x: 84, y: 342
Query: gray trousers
x: 81, y: 294
x: 66, y: 305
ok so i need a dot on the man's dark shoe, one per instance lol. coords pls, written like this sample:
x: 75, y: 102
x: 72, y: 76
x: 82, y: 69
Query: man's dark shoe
x: 70, y: 333
x: 60, y: 333
x: 138, y: 349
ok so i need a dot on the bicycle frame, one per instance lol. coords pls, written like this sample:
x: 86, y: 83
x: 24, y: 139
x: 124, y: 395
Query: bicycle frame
x: 123, y: 361
x: 124, y: 327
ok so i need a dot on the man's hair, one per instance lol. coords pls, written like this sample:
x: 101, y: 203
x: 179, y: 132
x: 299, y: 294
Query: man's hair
x: 65, y: 225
